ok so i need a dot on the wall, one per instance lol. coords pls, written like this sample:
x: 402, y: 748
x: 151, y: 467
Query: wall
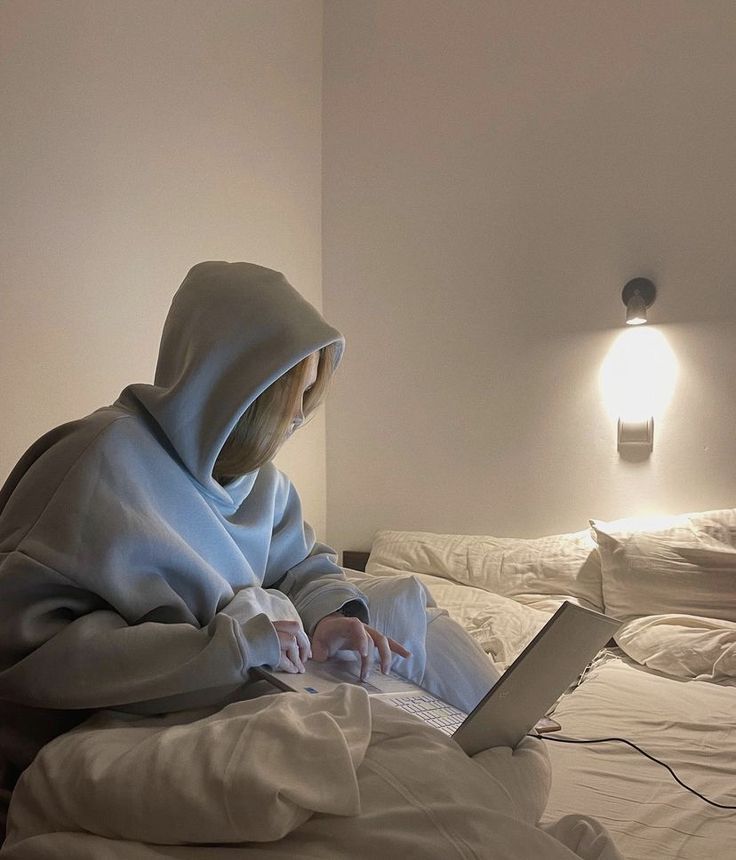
x: 139, y: 138
x: 494, y: 173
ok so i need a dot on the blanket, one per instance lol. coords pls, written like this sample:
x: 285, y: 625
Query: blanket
x: 335, y: 775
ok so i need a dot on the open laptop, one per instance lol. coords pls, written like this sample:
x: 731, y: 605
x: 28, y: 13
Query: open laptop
x: 515, y: 704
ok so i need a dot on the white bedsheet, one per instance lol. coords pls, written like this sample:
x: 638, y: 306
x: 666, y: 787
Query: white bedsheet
x: 691, y: 725
x: 288, y: 776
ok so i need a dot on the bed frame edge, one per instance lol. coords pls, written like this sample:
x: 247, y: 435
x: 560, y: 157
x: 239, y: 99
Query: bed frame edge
x: 355, y: 559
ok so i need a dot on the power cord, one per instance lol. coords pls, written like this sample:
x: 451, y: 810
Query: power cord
x: 549, y: 737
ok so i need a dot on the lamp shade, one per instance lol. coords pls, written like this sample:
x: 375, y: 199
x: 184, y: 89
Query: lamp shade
x: 636, y: 310
x: 638, y: 295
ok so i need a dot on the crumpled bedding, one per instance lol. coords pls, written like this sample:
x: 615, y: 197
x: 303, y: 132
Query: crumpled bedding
x: 336, y: 775
x: 684, y: 646
x: 501, y: 626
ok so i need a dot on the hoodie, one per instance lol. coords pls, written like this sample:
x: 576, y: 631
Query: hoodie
x: 130, y: 578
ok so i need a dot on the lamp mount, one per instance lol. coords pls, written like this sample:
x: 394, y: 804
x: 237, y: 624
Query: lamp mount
x: 644, y: 287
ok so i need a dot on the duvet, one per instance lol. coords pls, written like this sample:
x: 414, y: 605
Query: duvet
x: 287, y: 775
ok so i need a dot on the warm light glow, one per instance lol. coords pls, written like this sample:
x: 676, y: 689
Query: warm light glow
x: 638, y: 375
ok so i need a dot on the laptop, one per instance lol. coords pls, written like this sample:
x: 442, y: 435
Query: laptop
x: 515, y: 705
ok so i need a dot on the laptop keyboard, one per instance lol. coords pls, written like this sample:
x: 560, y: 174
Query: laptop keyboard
x: 430, y: 710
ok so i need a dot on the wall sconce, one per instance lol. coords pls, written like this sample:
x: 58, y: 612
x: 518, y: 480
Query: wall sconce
x: 636, y: 438
x: 638, y: 295
x: 637, y: 381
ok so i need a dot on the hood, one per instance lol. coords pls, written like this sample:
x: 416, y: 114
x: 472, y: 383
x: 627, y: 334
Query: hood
x: 231, y: 331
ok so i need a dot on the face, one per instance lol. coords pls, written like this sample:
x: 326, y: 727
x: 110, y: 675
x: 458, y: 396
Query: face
x: 310, y: 377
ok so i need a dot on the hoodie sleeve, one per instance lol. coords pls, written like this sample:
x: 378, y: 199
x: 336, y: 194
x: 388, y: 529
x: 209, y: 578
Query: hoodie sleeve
x: 105, y: 600
x: 314, y: 582
x: 62, y: 646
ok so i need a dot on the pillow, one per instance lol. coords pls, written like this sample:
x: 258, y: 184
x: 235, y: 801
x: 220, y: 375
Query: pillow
x: 683, y: 565
x: 539, y: 572
x: 419, y: 552
x: 685, y: 646
x: 719, y: 524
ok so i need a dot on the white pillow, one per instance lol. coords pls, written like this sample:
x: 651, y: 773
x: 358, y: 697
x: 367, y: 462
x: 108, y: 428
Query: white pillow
x: 420, y: 552
x: 719, y: 524
x: 539, y: 572
x: 685, y: 646
x: 682, y: 565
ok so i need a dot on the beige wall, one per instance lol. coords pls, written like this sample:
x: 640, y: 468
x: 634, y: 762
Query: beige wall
x: 140, y: 137
x: 494, y: 172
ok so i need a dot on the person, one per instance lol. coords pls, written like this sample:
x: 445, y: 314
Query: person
x: 152, y: 554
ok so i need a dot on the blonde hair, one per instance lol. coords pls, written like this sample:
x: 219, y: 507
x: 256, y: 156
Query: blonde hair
x: 264, y: 426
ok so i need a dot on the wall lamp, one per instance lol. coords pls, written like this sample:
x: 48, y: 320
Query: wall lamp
x: 638, y: 295
x: 637, y: 379
x: 636, y: 438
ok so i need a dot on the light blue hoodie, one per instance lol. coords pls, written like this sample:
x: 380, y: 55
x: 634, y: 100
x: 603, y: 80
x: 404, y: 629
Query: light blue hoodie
x: 129, y: 578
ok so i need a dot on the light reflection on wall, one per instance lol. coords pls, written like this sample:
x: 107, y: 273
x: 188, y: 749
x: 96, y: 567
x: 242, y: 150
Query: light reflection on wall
x: 638, y: 375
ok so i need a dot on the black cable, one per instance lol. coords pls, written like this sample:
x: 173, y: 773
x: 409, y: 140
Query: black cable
x: 549, y: 737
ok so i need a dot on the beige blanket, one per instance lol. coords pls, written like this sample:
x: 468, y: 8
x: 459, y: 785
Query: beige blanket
x: 287, y: 776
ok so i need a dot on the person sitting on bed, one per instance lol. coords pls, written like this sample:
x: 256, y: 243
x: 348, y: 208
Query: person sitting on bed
x: 152, y: 554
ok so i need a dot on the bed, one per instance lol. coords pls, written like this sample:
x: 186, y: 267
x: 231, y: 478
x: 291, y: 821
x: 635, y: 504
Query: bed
x: 667, y: 684
x: 284, y: 775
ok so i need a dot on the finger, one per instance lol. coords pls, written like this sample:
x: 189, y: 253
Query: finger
x: 397, y: 647
x: 285, y: 665
x: 365, y: 666
x: 365, y: 649
x: 353, y: 635
x: 384, y: 651
x: 290, y: 650
x: 305, y: 650
x: 391, y: 644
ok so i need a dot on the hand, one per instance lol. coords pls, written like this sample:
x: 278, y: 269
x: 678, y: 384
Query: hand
x: 295, y: 647
x: 336, y: 632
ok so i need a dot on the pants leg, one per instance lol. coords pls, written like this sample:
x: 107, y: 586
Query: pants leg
x: 445, y: 660
x: 457, y: 668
